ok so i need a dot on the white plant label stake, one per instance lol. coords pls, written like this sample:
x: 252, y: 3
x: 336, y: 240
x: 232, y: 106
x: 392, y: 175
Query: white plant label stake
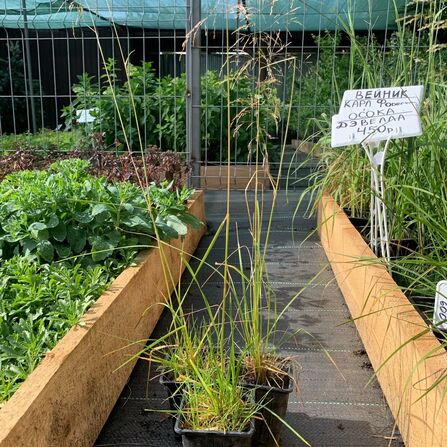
x: 84, y: 116
x: 440, y: 312
x: 368, y: 117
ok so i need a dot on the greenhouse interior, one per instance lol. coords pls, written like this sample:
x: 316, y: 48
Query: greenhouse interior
x: 223, y: 223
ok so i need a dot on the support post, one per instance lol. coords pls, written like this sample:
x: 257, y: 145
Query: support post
x: 29, y: 70
x: 378, y: 211
x: 193, y: 137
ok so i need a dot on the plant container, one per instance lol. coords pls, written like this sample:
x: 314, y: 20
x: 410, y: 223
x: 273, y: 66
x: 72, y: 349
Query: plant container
x: 211, y: 438
x: 361, y: 223
x: 274, y: 400
x: 173, y: 389
x: 241, y: 176
x: 402, y: 247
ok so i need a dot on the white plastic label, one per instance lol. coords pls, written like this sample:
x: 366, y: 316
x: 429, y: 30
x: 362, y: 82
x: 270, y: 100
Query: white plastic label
x: 440, y: 312
x: 372, y: 115
x: 85, y: 116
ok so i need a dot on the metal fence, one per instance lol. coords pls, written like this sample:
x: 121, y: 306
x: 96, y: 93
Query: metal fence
x: 209, y: 79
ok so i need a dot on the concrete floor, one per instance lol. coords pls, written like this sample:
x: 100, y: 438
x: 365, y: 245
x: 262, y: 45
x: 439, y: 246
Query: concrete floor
x: 335, y: 406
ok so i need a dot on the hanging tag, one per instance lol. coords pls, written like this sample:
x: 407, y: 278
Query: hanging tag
x: 440, y: 311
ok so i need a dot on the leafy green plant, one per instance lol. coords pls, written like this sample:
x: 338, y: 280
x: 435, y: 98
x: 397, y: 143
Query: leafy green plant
x: 319, y: 85
x: 160, y: 106
x: 65, y: 212
x: 39, y: 303
x: 44, y: 142
x: 93, y: 228
x: 113, y: 105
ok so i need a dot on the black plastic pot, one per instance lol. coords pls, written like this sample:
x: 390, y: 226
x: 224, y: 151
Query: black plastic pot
x: 275, y: 400
x: 174, y: 390
x: 402, y: 247
x: 361, y: 223
x: 211, y: 438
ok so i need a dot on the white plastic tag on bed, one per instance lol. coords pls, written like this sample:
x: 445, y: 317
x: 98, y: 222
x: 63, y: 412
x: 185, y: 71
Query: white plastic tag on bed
x: 440, y: 311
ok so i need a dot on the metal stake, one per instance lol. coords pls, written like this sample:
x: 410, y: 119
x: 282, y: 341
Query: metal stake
x: 29, y: 69
x: 193, y: 137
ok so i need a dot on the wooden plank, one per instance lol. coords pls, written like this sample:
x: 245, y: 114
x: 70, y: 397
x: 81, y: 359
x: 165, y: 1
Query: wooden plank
x: 215, y: 177
x: 386, y: 320
x: 69, y: 396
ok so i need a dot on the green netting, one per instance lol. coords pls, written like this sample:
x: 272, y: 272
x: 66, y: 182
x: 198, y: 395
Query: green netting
x: 257, y: 15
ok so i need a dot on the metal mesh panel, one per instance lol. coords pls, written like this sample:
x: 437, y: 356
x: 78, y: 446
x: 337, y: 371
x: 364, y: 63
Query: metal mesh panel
x: 265, y: 75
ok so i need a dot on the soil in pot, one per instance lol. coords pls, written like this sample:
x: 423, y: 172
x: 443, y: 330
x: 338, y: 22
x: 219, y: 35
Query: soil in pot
x: 211, y: 438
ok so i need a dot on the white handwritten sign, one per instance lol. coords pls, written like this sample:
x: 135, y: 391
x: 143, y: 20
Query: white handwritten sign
x: 372, y: 115
x: 440, y: 312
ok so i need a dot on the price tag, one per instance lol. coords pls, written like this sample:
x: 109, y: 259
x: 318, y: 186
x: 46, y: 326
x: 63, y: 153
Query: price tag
x: 440, y: 312
x: 372, y: 115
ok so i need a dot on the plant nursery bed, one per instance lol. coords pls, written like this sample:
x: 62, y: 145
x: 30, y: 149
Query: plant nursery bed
x: 241, y: 176
x: 407, y: 363
x: 68, y: 397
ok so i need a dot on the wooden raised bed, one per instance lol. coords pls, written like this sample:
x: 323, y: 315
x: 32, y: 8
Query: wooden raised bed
x: 215, y: 177
x: 68, y: 397
x: 386, y: 319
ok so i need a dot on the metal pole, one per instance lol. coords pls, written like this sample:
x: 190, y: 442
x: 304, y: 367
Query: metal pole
x: 193, y: 139
x: 29, y: 69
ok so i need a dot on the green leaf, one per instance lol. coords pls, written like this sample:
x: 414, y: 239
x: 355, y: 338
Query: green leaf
x: 36, y: 227
x: 99, y: 209
x: 128, y: 207
x: 77, y: 239
x: 166, y: 231
x: 29, y: 245
x: 53, y: 221
x: 191, y: 220
x: 100, y: 213
x: 138, y: 223
x: 63, y: 251
x: 176, y: 224
x: 84, y: 217
x: 39, y: 231
x: 46, y: 250
x: 114, y: 237
x: 101, y: 249
x: 59, y: 232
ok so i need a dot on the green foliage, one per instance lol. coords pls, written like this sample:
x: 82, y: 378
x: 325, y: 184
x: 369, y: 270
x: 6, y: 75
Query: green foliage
x: 160, y: 106
x: 320, y: 84
x: 415, y: 170
x: 93, y: 228
x: 66, y: 212
x: 44, y: 142
x: 39, y: 303
x: 122, y: 111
